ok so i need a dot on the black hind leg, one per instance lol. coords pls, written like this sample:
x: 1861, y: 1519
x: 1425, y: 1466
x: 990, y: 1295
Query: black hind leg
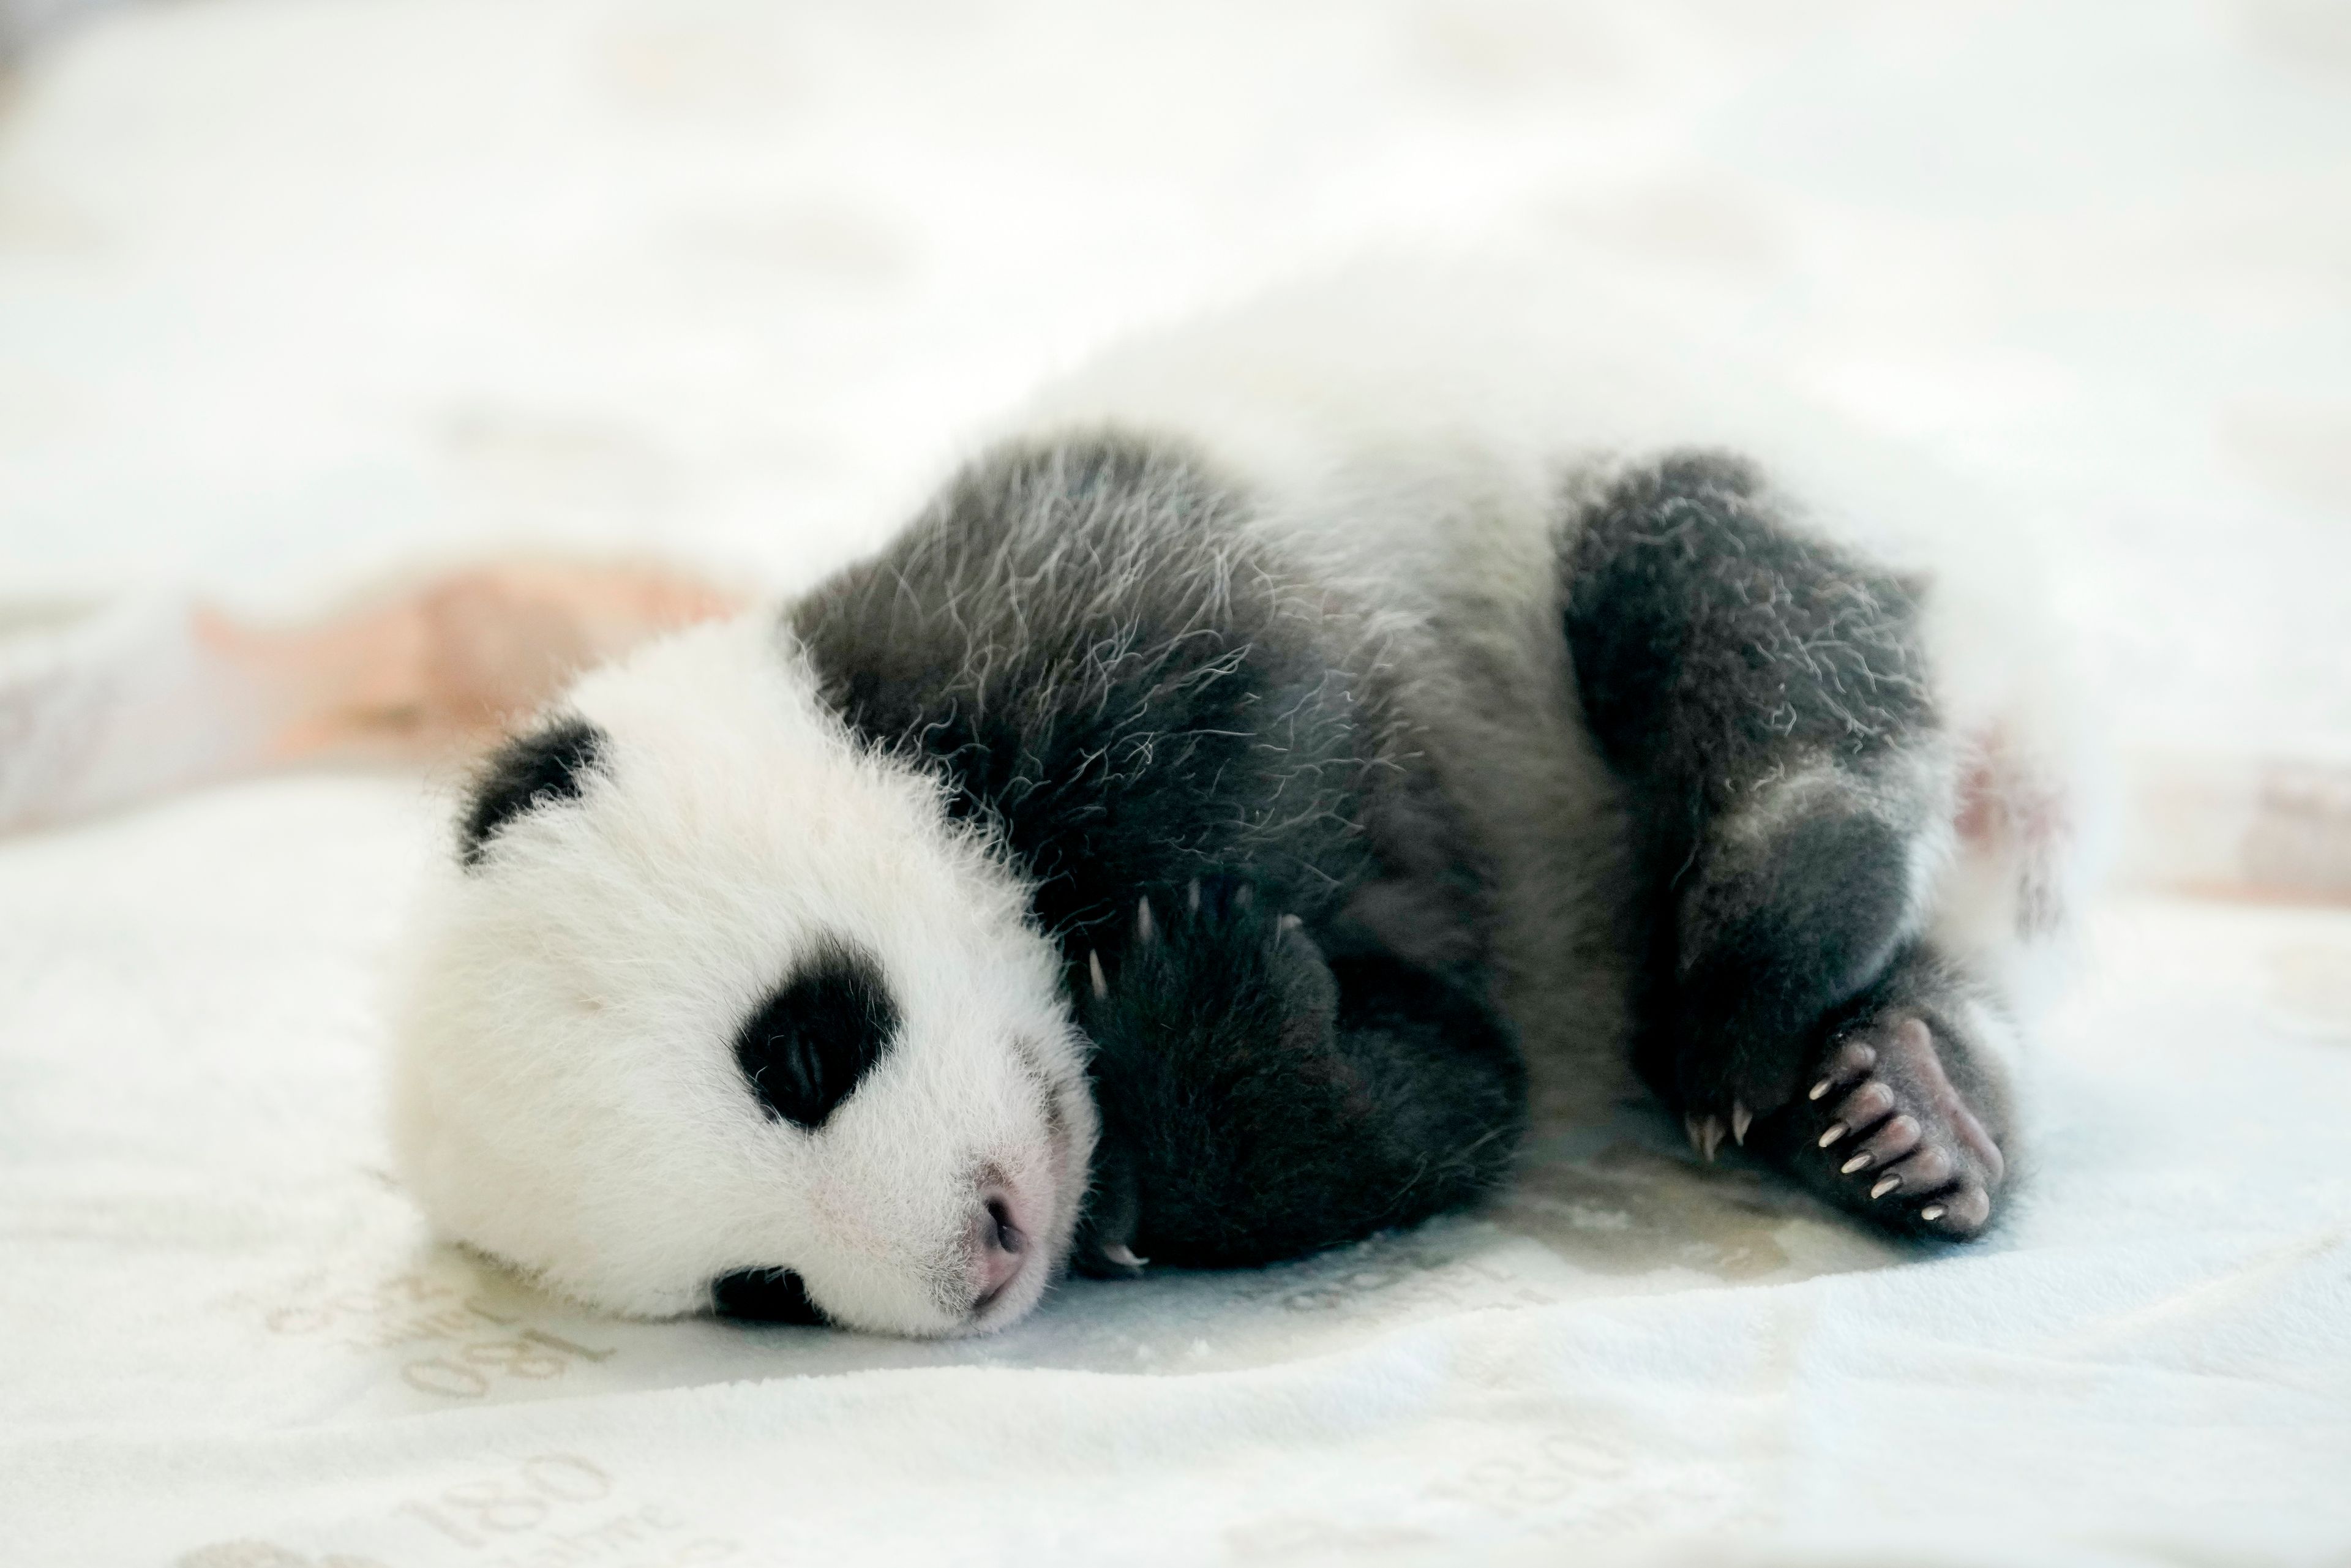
x: 1764, y: 697
x: 1261, y: 1101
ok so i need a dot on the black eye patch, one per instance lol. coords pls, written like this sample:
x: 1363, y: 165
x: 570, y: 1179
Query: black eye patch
x: 526, y: 773
x: 816, y: 1035
x: 764, y: 1296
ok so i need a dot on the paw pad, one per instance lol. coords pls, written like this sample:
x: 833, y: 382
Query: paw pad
x: 1883, y: 1130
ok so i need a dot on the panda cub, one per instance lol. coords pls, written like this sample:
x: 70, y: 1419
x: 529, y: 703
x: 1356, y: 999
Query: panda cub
x: 1297, y: 744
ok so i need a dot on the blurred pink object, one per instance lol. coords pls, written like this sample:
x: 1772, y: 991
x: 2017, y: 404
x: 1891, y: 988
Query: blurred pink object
x: 102, y: 706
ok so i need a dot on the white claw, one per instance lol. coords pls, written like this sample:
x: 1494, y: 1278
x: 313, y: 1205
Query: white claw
x: 1292, y: 923
x: 1094, y: 968
x: 1836, y: 1130
x: 1742, y: 1118
x: 1710, y: 1137
x: 1689, y: 1125
x: 1821, y: 1090
x: 1124, y: 1255
x: 1142, y: 927
x: 1852, y: 1165
x: 1885, y: 1184
x: 1931, y: 1213
x: 1195, y: 909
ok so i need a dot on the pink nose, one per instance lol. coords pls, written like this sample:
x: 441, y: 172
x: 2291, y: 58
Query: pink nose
x: 999, y: 1247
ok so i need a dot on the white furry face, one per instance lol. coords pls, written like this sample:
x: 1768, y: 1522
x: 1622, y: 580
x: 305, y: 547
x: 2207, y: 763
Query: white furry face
x: 721, y: 887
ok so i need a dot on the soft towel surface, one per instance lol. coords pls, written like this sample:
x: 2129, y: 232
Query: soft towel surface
x: 290, y: 289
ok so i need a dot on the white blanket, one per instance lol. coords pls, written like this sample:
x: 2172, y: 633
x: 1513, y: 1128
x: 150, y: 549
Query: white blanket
x: 289, y: 290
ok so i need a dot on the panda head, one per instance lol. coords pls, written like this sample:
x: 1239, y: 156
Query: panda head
x: 716, y: 1007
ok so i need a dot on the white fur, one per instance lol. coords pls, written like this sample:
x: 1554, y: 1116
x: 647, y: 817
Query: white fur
x: 566, y: 1095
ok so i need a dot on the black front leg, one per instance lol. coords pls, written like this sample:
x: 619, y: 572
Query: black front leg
x: 1261, y: 1101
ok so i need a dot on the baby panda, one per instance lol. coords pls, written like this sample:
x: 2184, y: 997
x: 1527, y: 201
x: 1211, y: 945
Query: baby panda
x: 1293, y: 748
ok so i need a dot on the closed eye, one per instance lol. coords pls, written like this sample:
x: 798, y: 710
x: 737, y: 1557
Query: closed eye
x: 806, y: 1048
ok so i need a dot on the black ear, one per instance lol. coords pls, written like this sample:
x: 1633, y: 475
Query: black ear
x: 814, y: 1037
x: 526, y: 773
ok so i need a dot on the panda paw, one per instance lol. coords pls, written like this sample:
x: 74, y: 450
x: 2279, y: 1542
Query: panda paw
x: 1215, y: 953
x: 1193, y: 991
x: 1882, y: 1129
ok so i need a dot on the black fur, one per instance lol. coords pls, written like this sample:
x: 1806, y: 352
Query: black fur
x: 1713, y: 639
x: 1137, y: 698
x: 764, y: 1296
x: 1258, y: 1100
x: 807, y: 1046
x: 1767, y: 949
x: 1076, y: 638
x: 525, y: 774
x: 1755, y: 688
